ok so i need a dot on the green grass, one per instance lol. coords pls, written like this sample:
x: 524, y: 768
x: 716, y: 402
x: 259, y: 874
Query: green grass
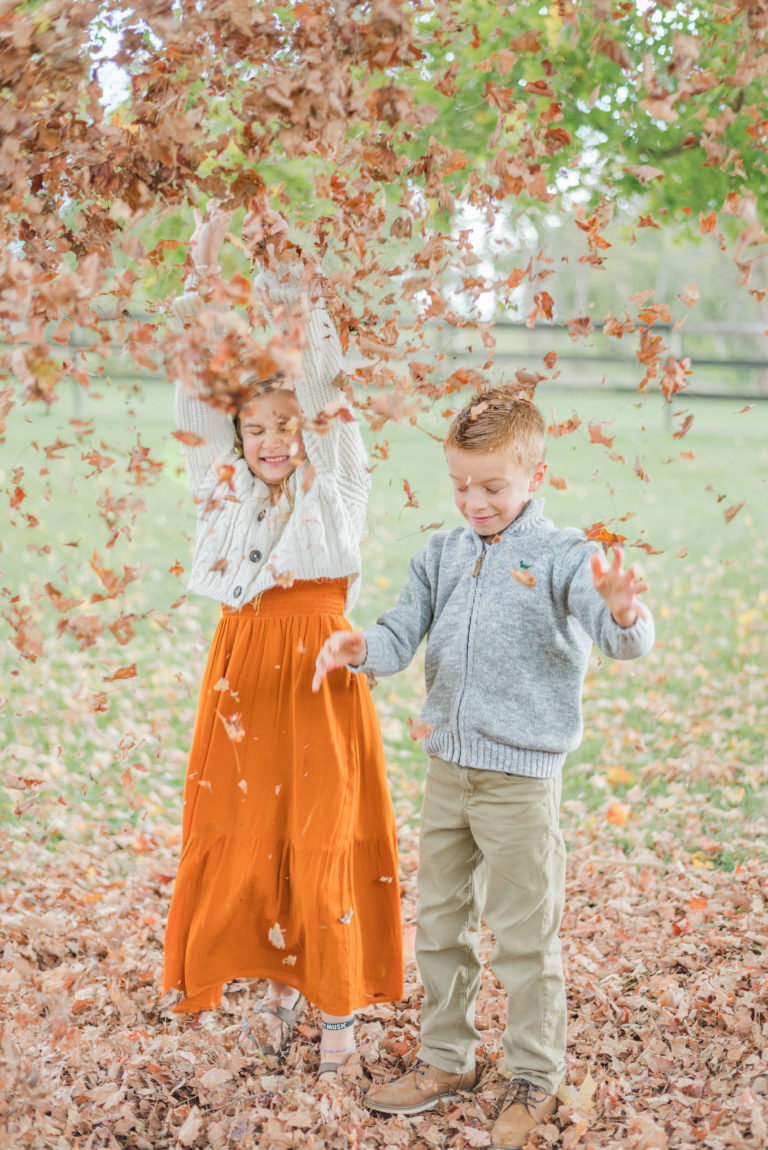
x: 684, y: 728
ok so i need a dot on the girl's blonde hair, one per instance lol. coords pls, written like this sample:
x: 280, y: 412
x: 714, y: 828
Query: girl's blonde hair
x: 500, y: 419
x: 253, y: 388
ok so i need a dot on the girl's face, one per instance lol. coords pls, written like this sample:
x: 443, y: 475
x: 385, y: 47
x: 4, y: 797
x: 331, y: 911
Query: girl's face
x: 272, y: 443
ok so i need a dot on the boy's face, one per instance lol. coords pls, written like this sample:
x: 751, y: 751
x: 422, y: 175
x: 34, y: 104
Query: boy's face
x: 272, y: 443
x: 491, y: 488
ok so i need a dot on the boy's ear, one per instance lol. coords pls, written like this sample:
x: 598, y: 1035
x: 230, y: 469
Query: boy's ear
x: 536, y: 480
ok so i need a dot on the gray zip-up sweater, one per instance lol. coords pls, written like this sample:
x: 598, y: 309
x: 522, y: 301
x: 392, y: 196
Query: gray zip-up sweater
x: 506, y: 658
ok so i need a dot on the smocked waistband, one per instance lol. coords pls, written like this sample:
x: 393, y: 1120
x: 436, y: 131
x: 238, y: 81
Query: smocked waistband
x: 305, y: 597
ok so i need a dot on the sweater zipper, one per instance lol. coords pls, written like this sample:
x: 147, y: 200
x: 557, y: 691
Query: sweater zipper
x: 475, y: 585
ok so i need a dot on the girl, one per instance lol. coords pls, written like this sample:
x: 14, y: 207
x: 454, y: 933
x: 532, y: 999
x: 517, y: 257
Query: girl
x: 288, y: 869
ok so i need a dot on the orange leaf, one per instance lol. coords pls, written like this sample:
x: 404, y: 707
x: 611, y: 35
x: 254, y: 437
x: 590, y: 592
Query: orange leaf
x: 527, y: 578
x: 188, y: 437
x: 566, y: 427
x: 617, y: 813
x: 596, y: 434
x: 640, y: 471
x: 599, y: 533
x: 122, y: 673
x: 412, y: 501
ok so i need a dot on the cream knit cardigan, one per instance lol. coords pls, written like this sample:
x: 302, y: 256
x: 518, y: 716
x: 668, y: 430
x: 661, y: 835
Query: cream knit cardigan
x: 244, y: 544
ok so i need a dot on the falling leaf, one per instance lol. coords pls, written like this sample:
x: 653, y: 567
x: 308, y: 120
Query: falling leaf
x: 527, y: 578
x: 233, y: 725
x: 128, y: 672
x: 566, y: 427
x: 644, y: 172
x: 411, y: 500
x: 189, y: 438
x: 640, y: 471
x: 599, y: 533
x: 684, y: 429
x: 596, y: 434
x: 730, y: 512
x: 691, y: 294
x: 276, y: 937
x: 346, y: 918
x: 282, y: 578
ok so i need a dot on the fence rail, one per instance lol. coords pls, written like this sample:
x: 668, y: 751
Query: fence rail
x: 729, y: 360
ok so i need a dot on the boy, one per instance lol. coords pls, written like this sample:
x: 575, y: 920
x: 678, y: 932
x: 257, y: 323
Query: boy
x: 511, y: 606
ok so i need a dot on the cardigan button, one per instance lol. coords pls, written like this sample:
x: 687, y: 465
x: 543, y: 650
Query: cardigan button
x: 237, y: 592
x: 254, y: 556
x: 261, y: 515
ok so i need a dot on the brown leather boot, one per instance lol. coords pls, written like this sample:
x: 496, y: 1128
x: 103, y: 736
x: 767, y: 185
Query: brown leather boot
x: 420, y: 1089
x: 522, y: 1107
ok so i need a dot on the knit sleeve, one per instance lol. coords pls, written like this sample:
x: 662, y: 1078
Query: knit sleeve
x: 336, y: 451
x: 208, y: 434
x: 394, y: 638
x: 588, y: 607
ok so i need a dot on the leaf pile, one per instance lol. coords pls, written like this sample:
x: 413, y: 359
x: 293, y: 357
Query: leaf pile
x: 668, y: 1017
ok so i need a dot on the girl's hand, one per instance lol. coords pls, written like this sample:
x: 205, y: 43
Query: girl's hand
x: 340, y: 649
x: 264, y: 230
x: 208, y: 236
x: 619, y: 588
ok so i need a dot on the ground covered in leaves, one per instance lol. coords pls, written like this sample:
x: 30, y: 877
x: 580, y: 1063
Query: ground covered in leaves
x: 668, y: 993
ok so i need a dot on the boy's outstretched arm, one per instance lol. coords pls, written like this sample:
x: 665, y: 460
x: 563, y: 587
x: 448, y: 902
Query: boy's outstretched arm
x: 340, y: 649
x: 619, y: 588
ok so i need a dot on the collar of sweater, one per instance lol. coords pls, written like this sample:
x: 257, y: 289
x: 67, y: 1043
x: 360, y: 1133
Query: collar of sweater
x: 531, y: 516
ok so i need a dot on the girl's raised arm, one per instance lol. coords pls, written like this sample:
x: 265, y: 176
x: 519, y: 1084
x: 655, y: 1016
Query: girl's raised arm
x: 291, y: 288
x: 208, y: 432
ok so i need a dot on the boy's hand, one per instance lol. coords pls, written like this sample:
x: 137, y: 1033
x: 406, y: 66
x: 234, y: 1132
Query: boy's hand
x: 340, y: 649
x: 619, y: 588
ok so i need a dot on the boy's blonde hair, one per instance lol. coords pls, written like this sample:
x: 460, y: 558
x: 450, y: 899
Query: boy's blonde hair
x: 500, y: 419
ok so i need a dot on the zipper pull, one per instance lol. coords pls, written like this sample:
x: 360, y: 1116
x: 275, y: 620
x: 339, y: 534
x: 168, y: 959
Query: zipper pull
x: 478, y: 564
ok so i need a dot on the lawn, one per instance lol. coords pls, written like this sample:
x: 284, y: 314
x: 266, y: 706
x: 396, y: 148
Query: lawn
x: 675, y: 740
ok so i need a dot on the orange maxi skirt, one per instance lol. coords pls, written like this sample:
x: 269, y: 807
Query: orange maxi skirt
x: 288, y: 867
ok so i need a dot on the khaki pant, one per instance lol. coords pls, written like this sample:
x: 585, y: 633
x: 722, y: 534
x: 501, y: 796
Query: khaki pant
x: 491, y: 843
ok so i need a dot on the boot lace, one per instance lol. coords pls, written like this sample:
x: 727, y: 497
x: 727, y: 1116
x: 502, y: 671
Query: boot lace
x: 521, y: 1090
